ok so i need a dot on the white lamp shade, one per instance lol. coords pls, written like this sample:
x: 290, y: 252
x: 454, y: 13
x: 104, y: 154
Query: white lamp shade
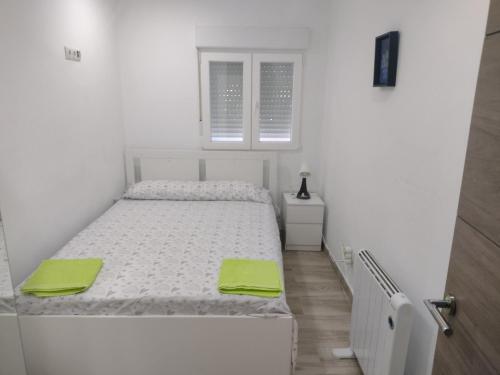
x: 304, y: 170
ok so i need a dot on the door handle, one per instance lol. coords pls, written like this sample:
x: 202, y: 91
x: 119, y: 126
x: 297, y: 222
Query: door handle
x: 436, y: 306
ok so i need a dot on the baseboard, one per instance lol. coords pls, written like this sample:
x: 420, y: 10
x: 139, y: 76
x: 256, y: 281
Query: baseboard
x: 345, y: 284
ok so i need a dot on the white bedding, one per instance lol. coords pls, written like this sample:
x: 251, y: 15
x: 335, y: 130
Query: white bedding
x: 163, y: 257
x: 6, y: 292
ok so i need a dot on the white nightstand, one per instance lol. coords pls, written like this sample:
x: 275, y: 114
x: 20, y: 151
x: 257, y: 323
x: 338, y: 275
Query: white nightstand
x: 303, y: 221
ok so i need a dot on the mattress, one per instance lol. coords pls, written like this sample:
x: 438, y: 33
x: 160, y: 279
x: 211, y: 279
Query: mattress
x: 163, y: 258
x: 6, y: 292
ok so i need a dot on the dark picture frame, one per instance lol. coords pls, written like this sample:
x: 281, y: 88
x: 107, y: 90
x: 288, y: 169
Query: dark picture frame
x: 386, y: 59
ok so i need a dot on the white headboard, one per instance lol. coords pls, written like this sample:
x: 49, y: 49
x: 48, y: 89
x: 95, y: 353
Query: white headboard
x: 163, y: 164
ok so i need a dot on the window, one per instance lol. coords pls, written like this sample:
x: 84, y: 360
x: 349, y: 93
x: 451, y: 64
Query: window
x: 251, y: 101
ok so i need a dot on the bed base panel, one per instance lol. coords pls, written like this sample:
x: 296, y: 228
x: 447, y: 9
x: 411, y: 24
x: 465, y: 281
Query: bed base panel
x: 157, y: 345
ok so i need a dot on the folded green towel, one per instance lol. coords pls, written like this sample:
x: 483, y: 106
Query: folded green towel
x: 62, y: 277
x: 250, y: 277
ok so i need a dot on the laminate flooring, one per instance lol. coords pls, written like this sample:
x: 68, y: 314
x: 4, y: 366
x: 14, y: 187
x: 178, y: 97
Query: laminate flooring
x: 322, y: 307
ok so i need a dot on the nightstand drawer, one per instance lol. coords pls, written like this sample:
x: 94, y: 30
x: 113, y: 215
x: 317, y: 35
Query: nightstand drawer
x: 304, y: 234
x: 304, y: 214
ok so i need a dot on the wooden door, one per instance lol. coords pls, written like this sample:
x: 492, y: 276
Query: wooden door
x: 474, y: 271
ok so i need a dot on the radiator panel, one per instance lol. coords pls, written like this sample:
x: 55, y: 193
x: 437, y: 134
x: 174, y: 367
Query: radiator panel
x: 381, y: 319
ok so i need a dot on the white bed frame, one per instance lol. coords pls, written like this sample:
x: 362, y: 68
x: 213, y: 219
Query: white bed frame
x: 164, y: 345
x: 157, y: 164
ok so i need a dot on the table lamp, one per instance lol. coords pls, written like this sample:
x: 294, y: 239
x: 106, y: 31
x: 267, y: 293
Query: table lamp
x: 304, y: 173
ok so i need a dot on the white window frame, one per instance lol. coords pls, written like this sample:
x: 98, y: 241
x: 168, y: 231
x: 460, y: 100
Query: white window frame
x: 251, y: 99
x: 246, y: 59
x: 296, y: 59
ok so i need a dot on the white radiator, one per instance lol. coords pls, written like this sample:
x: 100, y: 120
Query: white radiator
x: 381, y: 319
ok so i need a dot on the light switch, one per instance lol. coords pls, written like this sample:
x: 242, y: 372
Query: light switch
x: 72, y: 54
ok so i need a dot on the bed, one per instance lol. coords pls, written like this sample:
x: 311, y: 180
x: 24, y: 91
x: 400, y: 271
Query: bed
x: 155, y: 307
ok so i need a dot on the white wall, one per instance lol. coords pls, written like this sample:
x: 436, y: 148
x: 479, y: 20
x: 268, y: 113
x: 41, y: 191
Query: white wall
x: 159, y: 71
x: 61, y: 138
x: 393, y: 158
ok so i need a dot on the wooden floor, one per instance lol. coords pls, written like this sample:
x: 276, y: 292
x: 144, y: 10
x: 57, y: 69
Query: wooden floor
x: 323, y: 311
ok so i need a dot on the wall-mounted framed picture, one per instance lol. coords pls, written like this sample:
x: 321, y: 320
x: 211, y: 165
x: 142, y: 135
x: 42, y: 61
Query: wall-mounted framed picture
x: 386, y: 59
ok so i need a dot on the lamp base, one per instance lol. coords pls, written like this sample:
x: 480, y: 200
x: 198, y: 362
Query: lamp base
x: 303, y: 193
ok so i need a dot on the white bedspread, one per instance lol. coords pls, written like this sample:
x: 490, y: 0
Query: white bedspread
x: 6, y: 292
x: 163, y: 258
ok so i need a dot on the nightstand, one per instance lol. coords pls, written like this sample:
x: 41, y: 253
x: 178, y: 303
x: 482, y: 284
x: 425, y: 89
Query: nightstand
x: 303, y: 222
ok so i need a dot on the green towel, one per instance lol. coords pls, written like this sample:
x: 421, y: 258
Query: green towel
x: 250, y: 277
x: 62, y: 277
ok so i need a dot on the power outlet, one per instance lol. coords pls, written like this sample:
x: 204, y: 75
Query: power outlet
x: 72, y: 54
x: 347, y: 254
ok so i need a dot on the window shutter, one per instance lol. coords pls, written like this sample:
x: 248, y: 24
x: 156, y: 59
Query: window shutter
x: 276, y: 85
x: 276, y: 100
x: 226, y: 101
